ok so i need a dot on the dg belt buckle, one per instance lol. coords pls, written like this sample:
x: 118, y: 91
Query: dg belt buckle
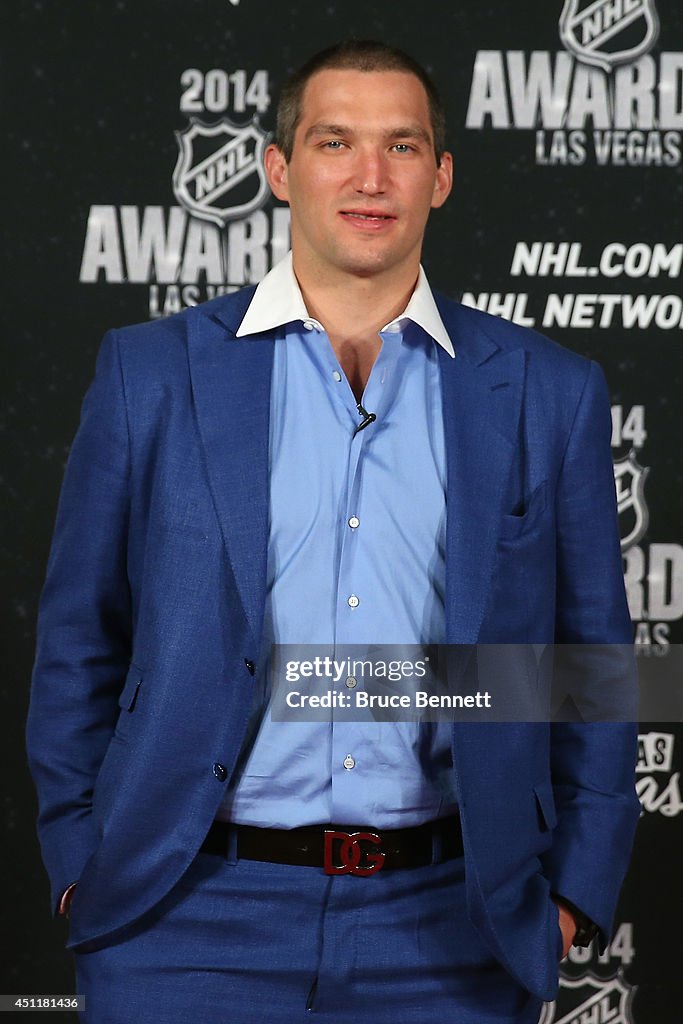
x: 345, y: 854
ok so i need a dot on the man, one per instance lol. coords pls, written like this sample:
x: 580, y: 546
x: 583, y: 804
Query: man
x: 334, y: 458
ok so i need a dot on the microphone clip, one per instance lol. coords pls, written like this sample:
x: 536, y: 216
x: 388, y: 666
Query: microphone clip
x: 368, y: 418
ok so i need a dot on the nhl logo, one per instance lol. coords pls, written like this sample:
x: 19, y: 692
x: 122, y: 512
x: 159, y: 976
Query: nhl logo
x: 219, y: 175
x: 588, y: 998
x: 629, y: 477
x: 607, y: 33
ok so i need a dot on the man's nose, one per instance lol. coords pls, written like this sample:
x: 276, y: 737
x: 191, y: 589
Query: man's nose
x: 370, y: 172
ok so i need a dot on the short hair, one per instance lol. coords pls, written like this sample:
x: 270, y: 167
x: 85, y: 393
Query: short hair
x: 354, y: 55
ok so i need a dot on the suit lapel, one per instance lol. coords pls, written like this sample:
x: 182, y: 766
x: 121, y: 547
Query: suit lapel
x: 231, y: 391
x: 481, y: 390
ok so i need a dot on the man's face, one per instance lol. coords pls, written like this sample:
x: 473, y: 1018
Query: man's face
x: 362, y: 177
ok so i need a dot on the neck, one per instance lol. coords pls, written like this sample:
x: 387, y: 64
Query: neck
x: 353, y: 309
x: 355, y: 306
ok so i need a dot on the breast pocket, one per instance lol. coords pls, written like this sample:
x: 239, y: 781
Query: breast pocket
x: 521, y: 603
x: 516, y: 525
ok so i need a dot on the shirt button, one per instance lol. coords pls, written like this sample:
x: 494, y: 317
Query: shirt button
x: 220, y: 771
x: 349, y: 762
x: 337, y: 376
x: 354, y: 522
x: 251, y: 668
x: 351, y: 681
x: 309, y: 325
x: 353, y: 601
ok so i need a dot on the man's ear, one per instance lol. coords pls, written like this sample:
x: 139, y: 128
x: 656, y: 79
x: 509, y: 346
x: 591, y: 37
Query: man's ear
x: 444, y: 181
x: 276, y: 172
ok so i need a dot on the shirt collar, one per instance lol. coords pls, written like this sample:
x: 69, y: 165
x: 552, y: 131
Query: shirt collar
x: 278, y: 300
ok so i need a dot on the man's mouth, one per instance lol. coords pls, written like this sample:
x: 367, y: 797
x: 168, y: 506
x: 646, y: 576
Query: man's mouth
x: 367, y: 215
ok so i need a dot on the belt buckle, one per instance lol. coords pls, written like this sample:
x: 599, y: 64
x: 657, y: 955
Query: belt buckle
x: 352, y: 858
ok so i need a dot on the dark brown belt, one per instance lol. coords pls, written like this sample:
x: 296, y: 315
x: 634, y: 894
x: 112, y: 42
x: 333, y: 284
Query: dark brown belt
x: 340, y: 849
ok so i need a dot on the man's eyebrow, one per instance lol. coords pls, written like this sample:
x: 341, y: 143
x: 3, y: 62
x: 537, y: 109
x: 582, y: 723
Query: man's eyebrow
x: 401, y: 132
x: 409, y: 132
x: 326, y: 129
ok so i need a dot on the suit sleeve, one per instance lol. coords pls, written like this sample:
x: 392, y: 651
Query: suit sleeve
x: 84, y: 628
x: 593, y: 763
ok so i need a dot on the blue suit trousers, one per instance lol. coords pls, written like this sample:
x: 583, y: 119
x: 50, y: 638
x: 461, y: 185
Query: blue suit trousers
x: 249, y: 942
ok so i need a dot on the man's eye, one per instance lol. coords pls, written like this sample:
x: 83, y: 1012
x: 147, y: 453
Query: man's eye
x: 334, y: 144
x: 402, y: 147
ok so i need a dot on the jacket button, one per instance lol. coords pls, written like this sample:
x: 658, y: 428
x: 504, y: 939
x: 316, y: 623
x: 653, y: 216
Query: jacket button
x: 220, y: 771
x: 251, y: 668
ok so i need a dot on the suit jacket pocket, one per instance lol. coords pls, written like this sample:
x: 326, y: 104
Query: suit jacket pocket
x: 514, y: 526
x: 129, y: 694
x: 545, y: 805
x: 128, y: 698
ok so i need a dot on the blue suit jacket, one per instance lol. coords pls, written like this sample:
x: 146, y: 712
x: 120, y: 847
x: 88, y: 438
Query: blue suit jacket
x: 154, y: 601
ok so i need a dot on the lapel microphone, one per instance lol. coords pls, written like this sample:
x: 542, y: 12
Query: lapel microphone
x: 368, y: 418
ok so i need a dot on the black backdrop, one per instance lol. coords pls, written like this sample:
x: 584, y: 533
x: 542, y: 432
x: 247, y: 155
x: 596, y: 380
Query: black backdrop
x: 568, y: 192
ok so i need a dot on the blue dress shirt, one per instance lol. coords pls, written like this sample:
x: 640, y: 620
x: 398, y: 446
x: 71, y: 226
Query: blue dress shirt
x: 356, y: 555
